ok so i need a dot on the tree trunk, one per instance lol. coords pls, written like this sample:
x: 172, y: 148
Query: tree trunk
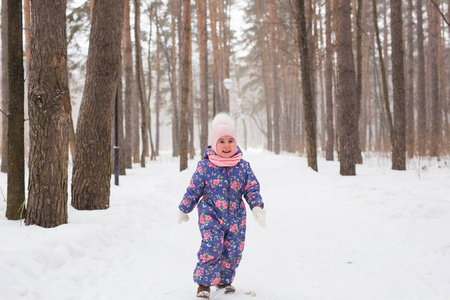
x: 175, y: 119
x: 217, y: 97
x: 446, y: 104
x: 5, y: 86
x: 121, y: 133
x: 409, y: 92
x: 224, y: 42
x: 135, y: 122
x: 158, y: 83
x: 92, y: 167
x: 329, y: 154
x: 359, y: 54
x: 285, y: 97
x: 150, y: 88
x: 50, y: 116
x: 262, y: 33
x: 421, y: 98
x: 365, y: 118
x: 311, y: 23
x: 185, y: 90
x: 436, y: 110
x: 227, y: 45
x: 138, y: 57
x: 308, y: 102
x: 128, y: 70
x: 72, y: 139
x: 321, y: 48
x: 203, y: 55
x: 27, y: 30
x: 191, y: 102
x: 368, y: 94
x: 16, y: 163
x: 346, y: 86
x: 398, y: 83
x: 275, y: 78
x: 120, y: 127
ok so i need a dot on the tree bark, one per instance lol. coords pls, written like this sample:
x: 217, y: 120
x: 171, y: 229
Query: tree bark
x: 217, y: 97
x: 436, y: 110
x: 135, y: 122
x: 275, y: 78
x: 5, y: 86
x: 409, y: 92
x: 128, y: 70
x: 185, y: 84
x: 359, y: 54
x: 92, y: 167
x: 16, y: 163
x: 27, y: 30
x: 50, y: 116
x: 346, y: 86
x: 150, y: 87
x: 120, y: 127
x: 321, y: 48
x: 72, y: 139
x: 421, y: 98
x: 398, y: 83
x: 203, y: 56
x: 191, y: 138
x: 158, y: 83
x: 329, y: 154
x: 224, y: 42
x: 174, y: 86
x: 138, y: 57
x: 309, y: 111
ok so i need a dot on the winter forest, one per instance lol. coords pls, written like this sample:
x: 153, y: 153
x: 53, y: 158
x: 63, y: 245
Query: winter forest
x: 332, y: 78
x: 116, y: 82
x: 340, y: 106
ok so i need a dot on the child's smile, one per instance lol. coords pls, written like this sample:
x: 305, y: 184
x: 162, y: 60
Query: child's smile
x: 226, y: 146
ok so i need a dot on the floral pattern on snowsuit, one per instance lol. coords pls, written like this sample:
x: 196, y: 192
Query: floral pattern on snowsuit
x: 218, y: 192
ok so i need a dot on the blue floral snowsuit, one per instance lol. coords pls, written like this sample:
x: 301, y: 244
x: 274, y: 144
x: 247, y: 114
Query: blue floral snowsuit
x: 222, y: 216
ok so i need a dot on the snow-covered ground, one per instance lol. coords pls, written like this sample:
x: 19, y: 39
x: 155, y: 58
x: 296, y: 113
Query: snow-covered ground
x: 381, y: 235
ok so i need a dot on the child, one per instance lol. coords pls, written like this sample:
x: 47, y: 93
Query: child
x: 220, y: 181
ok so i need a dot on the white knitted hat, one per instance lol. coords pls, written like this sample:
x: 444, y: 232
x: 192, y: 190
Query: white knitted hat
x: 222, y: 126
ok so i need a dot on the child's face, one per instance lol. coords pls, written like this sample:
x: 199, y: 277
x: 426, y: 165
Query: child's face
x: 226, y: 146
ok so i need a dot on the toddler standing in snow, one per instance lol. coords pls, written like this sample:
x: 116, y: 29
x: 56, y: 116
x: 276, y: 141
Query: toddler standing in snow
x: 217, y: 186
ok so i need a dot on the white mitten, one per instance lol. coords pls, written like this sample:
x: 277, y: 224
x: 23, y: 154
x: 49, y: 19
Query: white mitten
x: 182, y: 217
x: 260, y: 216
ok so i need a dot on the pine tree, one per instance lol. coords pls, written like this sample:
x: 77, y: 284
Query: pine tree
x: 92, y: 167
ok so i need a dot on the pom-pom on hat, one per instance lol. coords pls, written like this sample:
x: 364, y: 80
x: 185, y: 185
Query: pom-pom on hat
x: 222, y: 126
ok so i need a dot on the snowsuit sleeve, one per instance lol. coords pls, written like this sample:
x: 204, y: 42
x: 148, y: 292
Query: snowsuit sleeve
x: 251, y: 191
x: 194, y: 190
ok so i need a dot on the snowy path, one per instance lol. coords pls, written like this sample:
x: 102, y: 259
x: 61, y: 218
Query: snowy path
x: 380, y: 235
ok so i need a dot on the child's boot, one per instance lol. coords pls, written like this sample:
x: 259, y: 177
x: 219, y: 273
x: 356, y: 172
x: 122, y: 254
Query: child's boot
x: 203, y: 291
x: 226, y: 288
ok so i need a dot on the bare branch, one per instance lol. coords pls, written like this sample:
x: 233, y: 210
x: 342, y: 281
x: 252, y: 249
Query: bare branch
x: 440, y: 12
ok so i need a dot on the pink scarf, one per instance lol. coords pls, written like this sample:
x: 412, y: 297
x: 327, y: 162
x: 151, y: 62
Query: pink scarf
x: 224, y: 162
